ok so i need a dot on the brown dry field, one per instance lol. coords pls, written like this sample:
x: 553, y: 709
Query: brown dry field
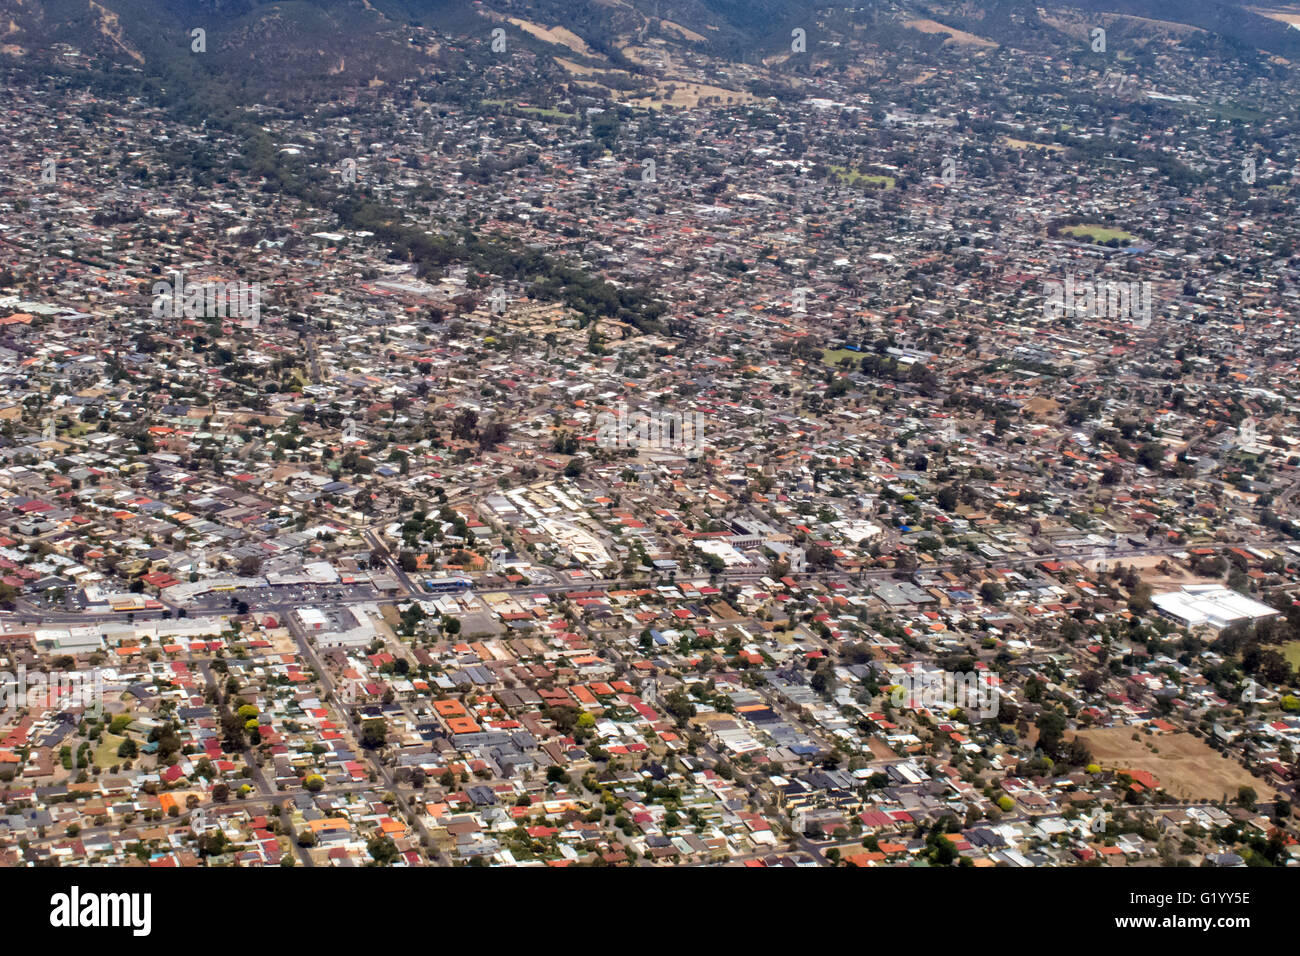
x: 557, y: 35
x: 1148, y: 569
x: 1185, y: 766
x: 1178, y: 577
x: 955, y: 35
x: 687, y: 95
x: 1026, y: 144
x: 677, y: 27
x: 580, y: 70
x: 1154, y: 29
x: 1285, y: 14
x: 880, y: 750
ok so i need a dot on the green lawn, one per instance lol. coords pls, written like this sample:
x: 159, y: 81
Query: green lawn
x: 1291, y: 652
x: 531, y: 110
x: 853, y: 177
x: 106, y: 752
x: 832, y: 356
x: 1099, y: 233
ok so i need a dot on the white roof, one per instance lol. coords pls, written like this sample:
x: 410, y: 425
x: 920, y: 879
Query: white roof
x: 1211, y: 604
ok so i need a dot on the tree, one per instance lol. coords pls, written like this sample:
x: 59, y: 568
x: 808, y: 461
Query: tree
x: 678, y: 704
x: 1151, y: 455
x: 1051, y: 731
x: 212, y: 843
x: 1076, y: 753
x: 465, y: 425
x: 823, y: 679
x: 941, y: 849
x: 818, y: 557
x: 493, y: 433
x: 232, y: 731
x: 383, y: 850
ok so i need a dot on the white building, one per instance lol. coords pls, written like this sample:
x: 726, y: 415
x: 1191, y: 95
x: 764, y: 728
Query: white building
x: 1211, y: 605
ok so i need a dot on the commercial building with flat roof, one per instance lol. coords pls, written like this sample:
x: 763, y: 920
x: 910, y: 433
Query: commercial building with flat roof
x: 1211, y: 605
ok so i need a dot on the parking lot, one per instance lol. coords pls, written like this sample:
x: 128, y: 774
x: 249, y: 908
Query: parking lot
x: 285, y: 596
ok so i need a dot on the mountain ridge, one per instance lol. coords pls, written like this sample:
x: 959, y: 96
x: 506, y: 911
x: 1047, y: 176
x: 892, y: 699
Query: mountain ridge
x: 287, y: 43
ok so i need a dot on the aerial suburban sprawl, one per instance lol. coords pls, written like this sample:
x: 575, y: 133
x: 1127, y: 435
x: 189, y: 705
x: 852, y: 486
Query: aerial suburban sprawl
x: 586, y: 434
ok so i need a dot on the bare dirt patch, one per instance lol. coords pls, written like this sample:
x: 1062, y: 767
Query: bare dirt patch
x: 880, y: 750
x: 1186, y: 766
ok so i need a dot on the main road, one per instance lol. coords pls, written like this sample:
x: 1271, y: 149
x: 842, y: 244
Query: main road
x: 18, y: 618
